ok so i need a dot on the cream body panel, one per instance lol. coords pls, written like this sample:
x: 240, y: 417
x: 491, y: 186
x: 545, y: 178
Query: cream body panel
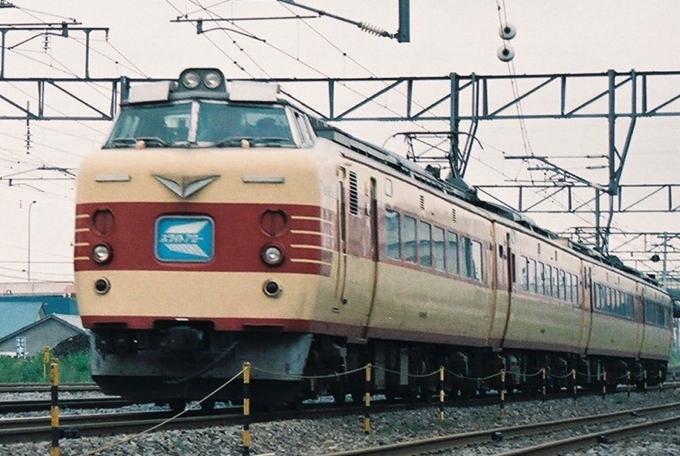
x: 198, y: 295
x: 300, y: 168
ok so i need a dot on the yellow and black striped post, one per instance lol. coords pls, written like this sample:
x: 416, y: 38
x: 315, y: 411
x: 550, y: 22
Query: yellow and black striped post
x: 573, y: 380
x: 245, y: 436
x: 501, y: 407
x: 54, y: 409
x: 367, y: 401
x: 544, y: 391
x: 441, y: 392
x: 46, y: 361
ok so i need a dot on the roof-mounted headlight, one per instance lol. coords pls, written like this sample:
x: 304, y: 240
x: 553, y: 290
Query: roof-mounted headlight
x: 212, y: 80
x: 191, y: 79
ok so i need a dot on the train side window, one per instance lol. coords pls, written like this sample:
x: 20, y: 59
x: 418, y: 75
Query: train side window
x: 555, y: 280
x: 393, y: 235
x: 568, y: 287
x: 302, y: 128
x: 425, y: 243
x: 533, y: 282
x: 438, y: 248
x: 472, y: 258
x: 540, y: 275
x: 465, y: 263
x: 452, y: 262
x: 576, y: 289
x: 562, y: 285
x: 477, y: 260
x: 409, y: 239
x: 525, y: 273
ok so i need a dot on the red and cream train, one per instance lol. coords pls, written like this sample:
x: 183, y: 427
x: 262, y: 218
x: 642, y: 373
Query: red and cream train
x: 219, y: 224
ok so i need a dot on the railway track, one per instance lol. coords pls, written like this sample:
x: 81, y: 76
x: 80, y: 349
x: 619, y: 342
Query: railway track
x: 45, y: 387
x: 440, y: 445
x: 36, y: 429
x: 36, y: 405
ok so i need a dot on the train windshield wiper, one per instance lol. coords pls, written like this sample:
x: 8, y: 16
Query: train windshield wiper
x: 275, y: 141
x: 231, y: 141
x: 151, y: 141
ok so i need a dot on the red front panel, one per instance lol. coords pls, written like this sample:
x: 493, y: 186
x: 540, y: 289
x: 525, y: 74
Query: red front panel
x: 307, y: 238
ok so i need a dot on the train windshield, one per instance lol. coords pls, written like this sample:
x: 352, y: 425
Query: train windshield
x: 201, y: 124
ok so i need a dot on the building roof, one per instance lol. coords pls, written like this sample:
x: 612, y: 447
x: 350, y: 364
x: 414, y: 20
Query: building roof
x: 41, y: 288
x: 41, y: 321
x: 16, y: 315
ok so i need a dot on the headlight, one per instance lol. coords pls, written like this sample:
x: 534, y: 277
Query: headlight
x: 191, y: 80
x: 212, y: 80
x: 102, y: 253
x: 272, y: 255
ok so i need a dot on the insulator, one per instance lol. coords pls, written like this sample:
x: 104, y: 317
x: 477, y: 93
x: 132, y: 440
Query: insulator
x: 507, y: 31
x: 506, y: 53
x: 373, y: 29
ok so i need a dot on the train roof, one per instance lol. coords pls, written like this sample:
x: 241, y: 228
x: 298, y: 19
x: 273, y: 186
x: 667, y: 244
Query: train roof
x: 458, y: 188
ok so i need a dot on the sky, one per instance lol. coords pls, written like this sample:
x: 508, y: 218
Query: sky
x: 146, y: 39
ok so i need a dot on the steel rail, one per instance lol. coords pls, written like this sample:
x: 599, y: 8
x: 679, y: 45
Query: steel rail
x: 581, y: 441
x: 36, y: 405
x: 448, y: 442
x: 45, y: 387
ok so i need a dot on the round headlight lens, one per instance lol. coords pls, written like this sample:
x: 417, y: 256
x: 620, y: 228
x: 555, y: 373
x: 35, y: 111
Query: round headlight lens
x: 191, y: 80
x: 272, y: 255
x: 212, y: 80
x: 101, y: 253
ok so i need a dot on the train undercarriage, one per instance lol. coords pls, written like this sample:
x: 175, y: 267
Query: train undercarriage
x: 177, y: 364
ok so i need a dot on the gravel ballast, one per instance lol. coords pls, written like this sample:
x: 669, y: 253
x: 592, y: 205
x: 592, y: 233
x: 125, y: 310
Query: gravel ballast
x: 328, y: 435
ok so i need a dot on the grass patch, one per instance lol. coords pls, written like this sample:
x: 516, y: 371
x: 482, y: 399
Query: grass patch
x: 75, y: 368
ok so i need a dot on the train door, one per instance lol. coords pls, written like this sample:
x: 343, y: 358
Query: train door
x: 587, y: 305
x: 503, y: 287
x: 372, y: 208
x: 356, y: 280
x: 639, y: 312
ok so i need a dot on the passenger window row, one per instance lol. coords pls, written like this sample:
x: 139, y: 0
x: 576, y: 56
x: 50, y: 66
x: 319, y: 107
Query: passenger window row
x: 419, y: 242
x: 611, y: 301
x: 547, y: 280
x: 657, y: 314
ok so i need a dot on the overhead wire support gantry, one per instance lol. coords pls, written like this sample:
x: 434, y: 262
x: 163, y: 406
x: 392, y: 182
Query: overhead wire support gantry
x: 46, y: 29
x: 461, y: 101
x: 402, y: 35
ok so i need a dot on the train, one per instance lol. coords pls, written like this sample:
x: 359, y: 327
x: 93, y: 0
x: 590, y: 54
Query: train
x: 222, y: 224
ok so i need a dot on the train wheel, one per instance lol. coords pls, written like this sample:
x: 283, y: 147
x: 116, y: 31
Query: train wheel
x: 208, y: 406
x: 177, y: 405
